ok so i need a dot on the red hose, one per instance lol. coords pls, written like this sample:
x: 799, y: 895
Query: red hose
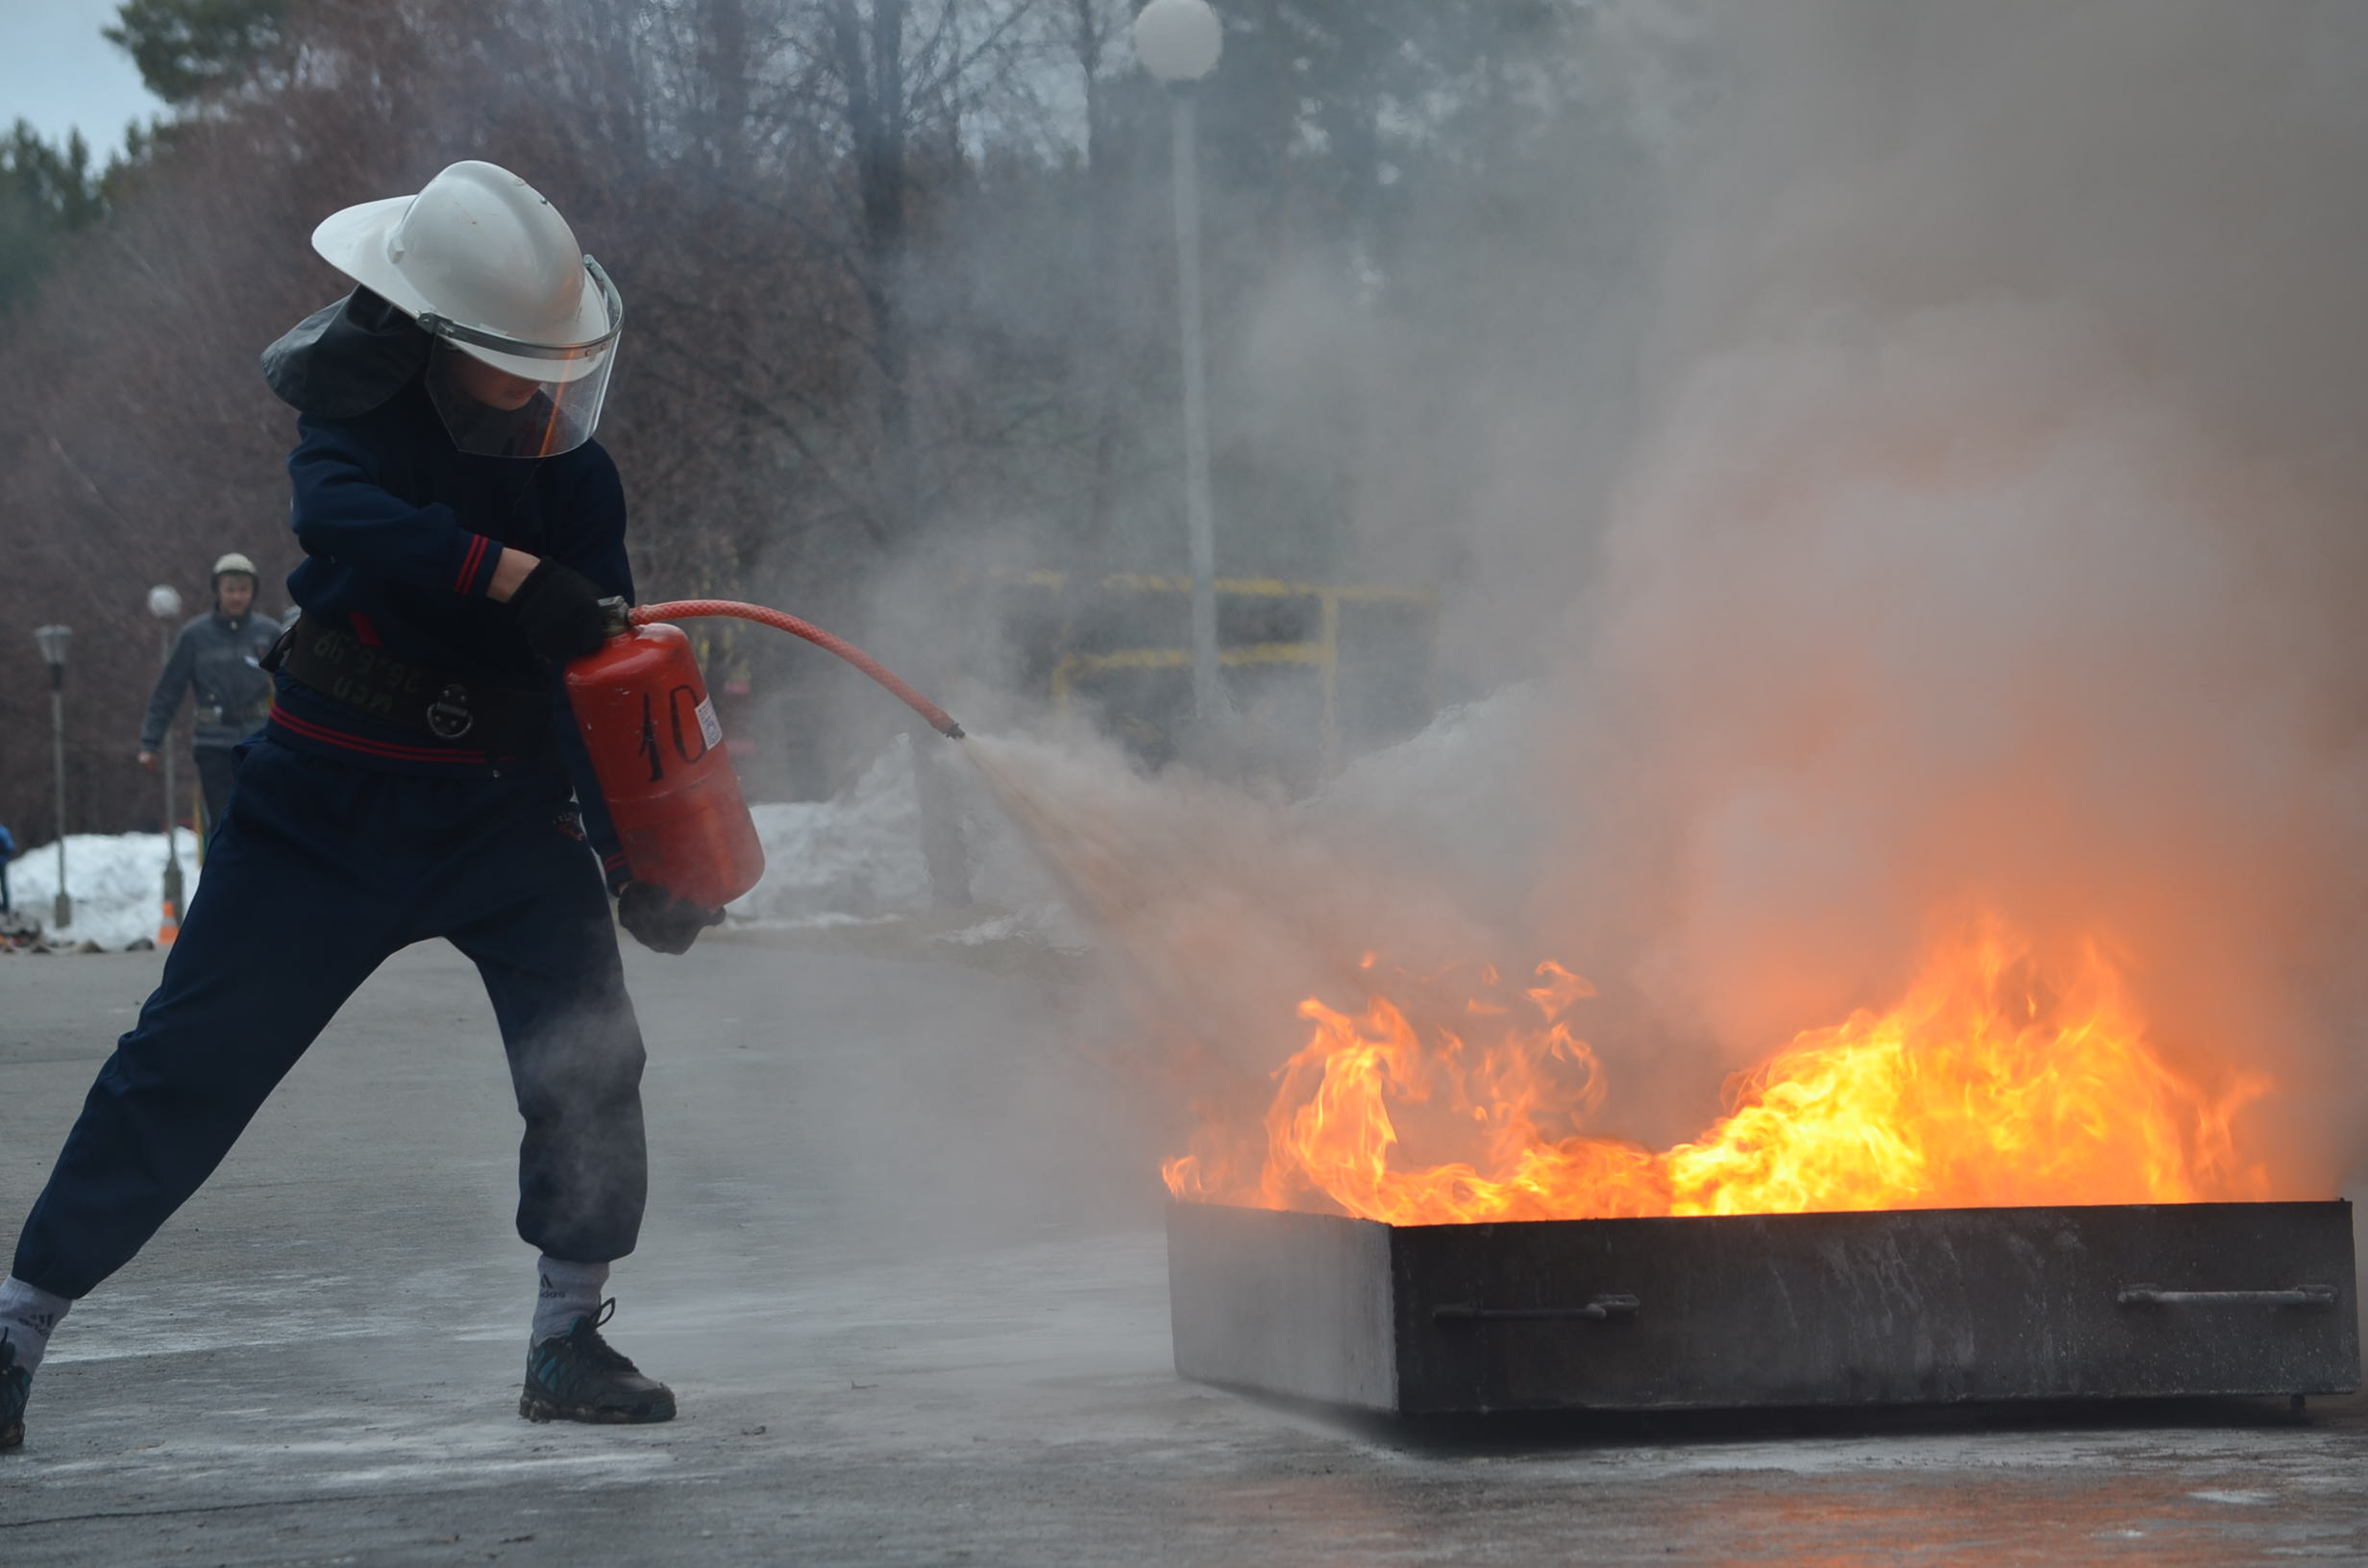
x: 697, y: 609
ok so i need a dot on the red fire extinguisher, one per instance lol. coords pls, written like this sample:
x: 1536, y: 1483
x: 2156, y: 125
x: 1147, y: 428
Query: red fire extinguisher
x: 658, y: 751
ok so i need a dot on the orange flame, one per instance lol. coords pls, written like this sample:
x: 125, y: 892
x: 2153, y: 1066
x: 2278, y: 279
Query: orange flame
x: 1984, y: 1087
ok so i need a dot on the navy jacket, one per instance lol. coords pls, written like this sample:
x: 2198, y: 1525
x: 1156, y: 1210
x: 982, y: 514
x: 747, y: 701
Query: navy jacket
x: 221, y: 656
x: 401, y: 531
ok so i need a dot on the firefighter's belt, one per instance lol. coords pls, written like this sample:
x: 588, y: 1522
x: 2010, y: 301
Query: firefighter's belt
x: 455, y: 706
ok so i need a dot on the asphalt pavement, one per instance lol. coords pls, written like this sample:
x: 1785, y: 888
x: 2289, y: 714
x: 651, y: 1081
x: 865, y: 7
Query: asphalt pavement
x: 903, y: 1269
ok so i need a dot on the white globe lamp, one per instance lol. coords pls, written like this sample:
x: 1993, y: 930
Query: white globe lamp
x: 1178, y: 40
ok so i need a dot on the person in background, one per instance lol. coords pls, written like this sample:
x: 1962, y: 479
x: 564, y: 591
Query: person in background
x: 7, y: 853
x: 220, y: 656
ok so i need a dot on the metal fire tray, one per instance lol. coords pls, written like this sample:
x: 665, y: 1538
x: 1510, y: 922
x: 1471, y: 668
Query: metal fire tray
x: 1896, y: 1306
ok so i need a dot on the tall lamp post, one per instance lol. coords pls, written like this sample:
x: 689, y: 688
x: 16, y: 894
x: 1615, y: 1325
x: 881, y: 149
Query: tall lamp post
x: 54, y: 641
x: 164, y: 603
x: 1180, y: 41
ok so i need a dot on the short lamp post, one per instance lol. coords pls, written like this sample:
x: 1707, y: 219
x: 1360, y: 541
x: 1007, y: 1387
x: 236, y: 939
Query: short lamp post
x: 164, y: 603
x: 54, y: 641
x: 1180, y: 41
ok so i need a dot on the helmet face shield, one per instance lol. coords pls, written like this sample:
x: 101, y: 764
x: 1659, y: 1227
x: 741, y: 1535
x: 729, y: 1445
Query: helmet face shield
x: 503, y: 397
x: 494, y: 412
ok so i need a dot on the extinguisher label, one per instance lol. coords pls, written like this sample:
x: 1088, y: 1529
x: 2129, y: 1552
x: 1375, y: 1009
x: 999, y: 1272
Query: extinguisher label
x: 709, y: 728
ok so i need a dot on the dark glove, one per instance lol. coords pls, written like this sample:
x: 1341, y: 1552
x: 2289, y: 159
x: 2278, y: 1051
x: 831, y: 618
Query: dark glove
x: 560, y: 613
x: 659, y: 920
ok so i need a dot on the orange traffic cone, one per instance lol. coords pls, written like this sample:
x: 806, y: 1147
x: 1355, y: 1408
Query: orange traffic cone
x: 170, y: 929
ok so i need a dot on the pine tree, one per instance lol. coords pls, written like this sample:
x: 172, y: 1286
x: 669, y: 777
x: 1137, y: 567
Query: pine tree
x: 187, y: 49
x: 45, y: 192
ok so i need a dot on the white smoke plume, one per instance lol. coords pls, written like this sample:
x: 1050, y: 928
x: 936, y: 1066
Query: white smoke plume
x: 1991, y: 539
x: 1995, y: 537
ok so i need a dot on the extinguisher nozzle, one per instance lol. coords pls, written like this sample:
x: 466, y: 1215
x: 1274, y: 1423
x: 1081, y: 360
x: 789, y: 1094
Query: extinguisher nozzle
x: 952, y: 731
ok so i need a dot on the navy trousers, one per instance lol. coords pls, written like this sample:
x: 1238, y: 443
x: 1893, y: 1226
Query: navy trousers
x: 216, y: 770
x: 317, y: 873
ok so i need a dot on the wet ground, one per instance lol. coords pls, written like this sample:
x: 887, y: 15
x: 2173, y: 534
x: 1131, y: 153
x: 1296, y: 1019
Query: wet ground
x: 902, y: 1268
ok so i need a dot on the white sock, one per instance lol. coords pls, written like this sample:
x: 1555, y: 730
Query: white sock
x: 567, y: 1291
x: 27, y: 1313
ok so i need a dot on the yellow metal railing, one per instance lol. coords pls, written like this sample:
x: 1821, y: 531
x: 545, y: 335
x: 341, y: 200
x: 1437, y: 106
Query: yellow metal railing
x: 1324, y: 654
x: 1154, y: 582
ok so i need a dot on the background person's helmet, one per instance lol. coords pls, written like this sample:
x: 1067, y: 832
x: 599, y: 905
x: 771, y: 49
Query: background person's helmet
x: 490, y: 270
x: 235, y: 562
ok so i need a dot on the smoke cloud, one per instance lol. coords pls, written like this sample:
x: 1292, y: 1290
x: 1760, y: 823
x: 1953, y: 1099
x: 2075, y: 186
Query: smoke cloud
x: 1984, y: 533
x: 1995, y: 536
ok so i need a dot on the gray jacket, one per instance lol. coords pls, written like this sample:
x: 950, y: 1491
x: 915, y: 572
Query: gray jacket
x: 220, y: 659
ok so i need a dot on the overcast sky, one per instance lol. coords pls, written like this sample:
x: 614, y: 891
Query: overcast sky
x: 55, y: 71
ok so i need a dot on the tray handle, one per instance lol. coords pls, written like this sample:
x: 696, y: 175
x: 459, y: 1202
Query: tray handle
x: 2317, y: 1296
x: 1600, y: 1309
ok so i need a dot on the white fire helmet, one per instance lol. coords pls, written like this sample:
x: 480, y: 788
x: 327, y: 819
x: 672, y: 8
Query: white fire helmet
x: 486, y: 265
x: 235, y: 562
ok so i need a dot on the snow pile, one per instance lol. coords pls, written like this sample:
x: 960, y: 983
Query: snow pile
x: 116, y: 880
x: 857, y: 856
x: 845, y: 861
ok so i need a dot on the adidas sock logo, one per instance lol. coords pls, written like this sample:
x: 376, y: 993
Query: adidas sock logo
x: 564, y: 1293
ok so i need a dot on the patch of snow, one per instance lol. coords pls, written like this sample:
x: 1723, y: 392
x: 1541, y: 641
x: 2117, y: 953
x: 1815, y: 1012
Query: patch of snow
x: 857, y: 855
x: 116, y: 881
x: 834, y: 922
x: 856, y: 858
x: 999, y: 928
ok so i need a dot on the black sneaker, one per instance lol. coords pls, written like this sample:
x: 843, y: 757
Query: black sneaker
x: 16, y: 1387
x: 575, y: 1377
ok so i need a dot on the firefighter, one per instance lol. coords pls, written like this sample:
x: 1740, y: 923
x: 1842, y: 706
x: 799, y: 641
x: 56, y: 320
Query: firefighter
x: 219, y: 656
x: 419, y: 775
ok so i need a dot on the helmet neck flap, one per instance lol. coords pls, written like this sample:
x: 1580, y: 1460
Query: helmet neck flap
x: 346, y: 358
